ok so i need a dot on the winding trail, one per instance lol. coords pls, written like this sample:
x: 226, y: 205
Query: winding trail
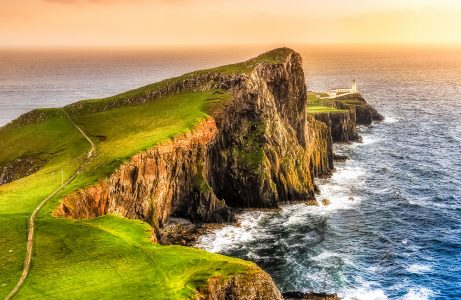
x: 33, y: 217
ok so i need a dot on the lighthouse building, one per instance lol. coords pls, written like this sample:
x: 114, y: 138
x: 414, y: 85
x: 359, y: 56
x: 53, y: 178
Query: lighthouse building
x: 341, y: 91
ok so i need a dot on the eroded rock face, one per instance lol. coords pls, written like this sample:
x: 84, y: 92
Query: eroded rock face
x: 169, y: 179
x: 342, y: 124
x: 353, y: 111
x: 260, y: 150
x: 267, y: 152
x: 253, y: 285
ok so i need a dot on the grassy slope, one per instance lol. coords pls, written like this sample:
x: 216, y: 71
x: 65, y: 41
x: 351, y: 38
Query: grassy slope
x: 55, y: 140
x: 109, y: 256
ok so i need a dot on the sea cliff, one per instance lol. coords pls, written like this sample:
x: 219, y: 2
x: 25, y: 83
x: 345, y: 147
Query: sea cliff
x: 258, y: 150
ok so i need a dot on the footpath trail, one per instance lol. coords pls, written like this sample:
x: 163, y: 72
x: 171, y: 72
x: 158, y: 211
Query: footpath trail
x: 33, y: 217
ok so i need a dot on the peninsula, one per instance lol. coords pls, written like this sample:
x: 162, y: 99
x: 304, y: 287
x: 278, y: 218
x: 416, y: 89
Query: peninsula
x: 102, y: 177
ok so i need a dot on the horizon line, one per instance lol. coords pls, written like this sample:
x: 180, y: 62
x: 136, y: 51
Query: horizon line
x: 235, y: 45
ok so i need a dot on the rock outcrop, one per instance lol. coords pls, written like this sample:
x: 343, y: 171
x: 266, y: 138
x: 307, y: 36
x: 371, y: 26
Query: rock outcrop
x: 352, y: 110
x: 169, y: 179
x: 20, y: 167
x: 309, y: 296
x: 253, y: 285
x: 365, y: 113
x: 258, y: 151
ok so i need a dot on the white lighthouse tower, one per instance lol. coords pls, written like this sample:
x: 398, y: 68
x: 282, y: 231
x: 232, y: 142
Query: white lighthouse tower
x: 354, y: 86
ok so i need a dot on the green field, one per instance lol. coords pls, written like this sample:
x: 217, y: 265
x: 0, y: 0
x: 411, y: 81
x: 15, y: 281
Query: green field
x: 54, y: 140
x: 315, y: 109
x: 110, y: 257
x: 315, y: 105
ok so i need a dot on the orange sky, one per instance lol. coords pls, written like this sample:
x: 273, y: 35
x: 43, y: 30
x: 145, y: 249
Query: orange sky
x: 85, y: 23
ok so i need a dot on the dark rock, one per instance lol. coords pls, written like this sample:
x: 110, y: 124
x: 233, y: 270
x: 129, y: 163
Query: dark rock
x: 342, y: 124
x: 312, y: 202
x: 309, y: 296
x: 365, y: 113
x: 20, y: 167
x: 326, y: 202
x: 339, y: 157
x: 183, y: 232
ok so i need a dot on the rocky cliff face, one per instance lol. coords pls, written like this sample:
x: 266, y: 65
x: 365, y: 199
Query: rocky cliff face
x: 261, y: 155
x: 260, y: 150
x: 169, y: 179
x: 342, y: 124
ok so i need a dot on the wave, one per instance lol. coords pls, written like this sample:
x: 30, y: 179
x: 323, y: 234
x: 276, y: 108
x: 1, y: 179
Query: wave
x: 418, y: 294
x: 390, y: 120
x: 363, y: 294
x: 366, y: 140
x: 340, y: 188
x: 418, y: 268
x: 365, y: 291
x: 231, y: 236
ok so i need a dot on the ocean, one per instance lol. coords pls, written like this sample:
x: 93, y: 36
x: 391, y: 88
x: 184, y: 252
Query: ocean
x: 393, y: 229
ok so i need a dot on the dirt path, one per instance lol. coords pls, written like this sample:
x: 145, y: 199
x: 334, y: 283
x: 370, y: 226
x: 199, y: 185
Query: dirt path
x: 33, y: 217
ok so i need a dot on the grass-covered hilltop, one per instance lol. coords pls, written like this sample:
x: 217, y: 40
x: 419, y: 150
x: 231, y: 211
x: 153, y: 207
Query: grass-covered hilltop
x: 119, y: 168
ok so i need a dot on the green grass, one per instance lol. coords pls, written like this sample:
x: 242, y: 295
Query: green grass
x: 107, y: 257
x: 316, y: 105
x: 352, y: 101
x: 111, y: 257
x: 315, y: 109
x: 55, y: 140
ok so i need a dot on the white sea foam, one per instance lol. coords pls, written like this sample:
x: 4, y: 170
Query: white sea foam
x: 418, y: 294
x: 418, y: 268
x: 390, y: 120
x: 366, y: 140
x: 325, y: 255
x: 365, y: 293
x: 231, y: 236
x: 338, y: 188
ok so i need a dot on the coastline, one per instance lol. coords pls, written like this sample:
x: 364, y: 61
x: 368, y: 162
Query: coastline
x: 224, y: 238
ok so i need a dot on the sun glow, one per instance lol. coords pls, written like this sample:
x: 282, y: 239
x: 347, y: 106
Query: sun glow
x: 161, y: 22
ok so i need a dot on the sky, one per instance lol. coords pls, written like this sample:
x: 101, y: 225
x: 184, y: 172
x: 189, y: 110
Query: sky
x: 48, y: 23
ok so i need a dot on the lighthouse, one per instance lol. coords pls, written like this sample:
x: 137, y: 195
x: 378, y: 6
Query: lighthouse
x: 354, y: 86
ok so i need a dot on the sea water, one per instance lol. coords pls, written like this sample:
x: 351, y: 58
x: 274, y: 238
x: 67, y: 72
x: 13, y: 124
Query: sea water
x: 393, y: 228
